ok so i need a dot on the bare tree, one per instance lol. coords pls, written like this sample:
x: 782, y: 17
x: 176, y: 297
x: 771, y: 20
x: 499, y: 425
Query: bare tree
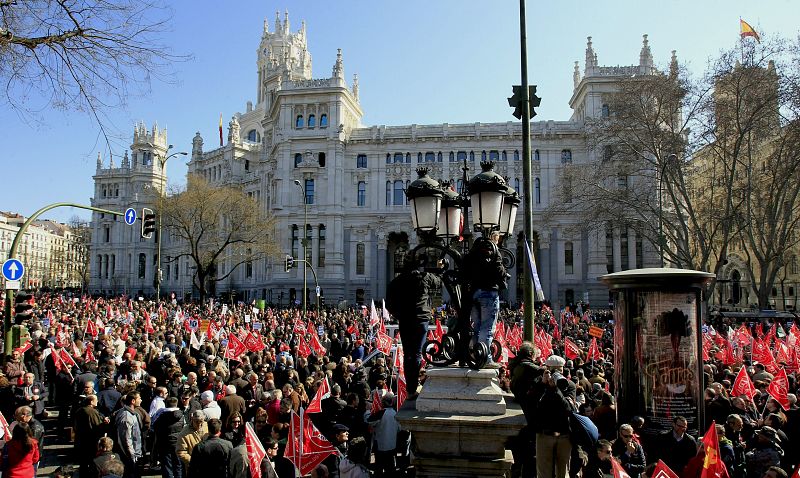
x: 219, y: 225
x: 85, y: 55
x: 692, y: 164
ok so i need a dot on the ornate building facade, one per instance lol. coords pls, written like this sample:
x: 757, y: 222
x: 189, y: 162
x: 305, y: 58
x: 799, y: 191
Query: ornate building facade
x: 302, y: 144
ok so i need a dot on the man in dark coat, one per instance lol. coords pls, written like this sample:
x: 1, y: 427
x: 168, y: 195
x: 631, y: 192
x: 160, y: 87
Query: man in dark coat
x: 676, y: 446
x: 32, y: 394
x: 211, y: 456
x: 108, y: 398
x: 88, y: 430
x: 408, y: 298
x: 231, y: 403
x: 554, y: 400
x: 166, y: 427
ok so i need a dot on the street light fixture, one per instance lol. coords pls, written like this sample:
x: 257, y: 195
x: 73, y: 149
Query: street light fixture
x: 305, y: 242
x: 438, y: 214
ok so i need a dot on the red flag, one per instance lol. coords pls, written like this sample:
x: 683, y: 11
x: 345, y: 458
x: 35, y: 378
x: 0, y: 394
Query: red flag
x: 499, y: 332
x: 124, y: 334
x: 594, y: 351
x: 66, y: 358
x: 89, y: 356
x: 663, y: 471
x: 743, y: 385
x: 353, y: 329
x: 759, y: 331
x: 398, y: 361
x: 377, y: 404
x: 5, y: 428
x: 323, y: 392
x: 373, y: 314
x: 24, y: 348
x: 762, y: 354
x: 91, y: 328
x: 253, y: 343
x: 440, y: 331
x: 384, y: 343
x: 783, y: 355
x: 235, y: 348
x: 305, y: 446
x: 148, y: 324
x: 571, y: 349
x: 303, y: 349
x: 402, y: 391
x: 778, y: 389
x: 316, y: 345
x: 713, y: 466
x: 617, y: 471
x: 255, y: 450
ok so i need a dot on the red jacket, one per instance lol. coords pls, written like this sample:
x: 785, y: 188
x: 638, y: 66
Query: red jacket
x: 17, y: 463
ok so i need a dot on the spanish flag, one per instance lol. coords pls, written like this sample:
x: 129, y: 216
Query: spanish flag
x: 745, y: 30
x: 220, y: 130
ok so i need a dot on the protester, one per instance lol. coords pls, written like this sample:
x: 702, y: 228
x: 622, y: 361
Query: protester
x: 20, y: 454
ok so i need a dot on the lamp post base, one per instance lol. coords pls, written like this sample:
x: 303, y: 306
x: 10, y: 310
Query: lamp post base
x: 461, y: 423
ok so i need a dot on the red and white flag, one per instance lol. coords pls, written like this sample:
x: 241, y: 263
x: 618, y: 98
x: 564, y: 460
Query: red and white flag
x: 713, y: 466
x: 384, y: 343
x: 91, y: 328
x: 778, y: 389
x: 24, y: 348
x: 235, y: 348
x: 571, y: 349
x: 4, y: 428
x: 66, y: 358
x: 377, y: 404
x: 594, y: 351
x: 743, y: 385
x: 402, y: 390
x: 255, y: 450
x: 316, y: 346
x: 373, y: 314
x: 303, y: 350
x: 253, y: 342
x: 306, y: 447
x: 89, y: 355
x: 323, y: 392
x: 617, y: 471
x: 663, y: 471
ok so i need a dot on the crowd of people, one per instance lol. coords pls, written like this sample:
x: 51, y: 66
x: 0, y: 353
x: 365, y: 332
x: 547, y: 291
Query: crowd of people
x: 145, y: 387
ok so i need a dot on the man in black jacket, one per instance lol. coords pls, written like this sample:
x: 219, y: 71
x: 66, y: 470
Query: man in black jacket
x: 409, y: 301
x: 553, y: 401
x: 166, y: 427
x: 676, y: 446
x: 211, y: 456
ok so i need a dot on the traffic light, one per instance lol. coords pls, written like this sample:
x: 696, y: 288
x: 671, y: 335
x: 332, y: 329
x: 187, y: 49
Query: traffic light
x: 288, y: 263
x: 516, y: 100
x: 23, y: 310
x: 148, y: 223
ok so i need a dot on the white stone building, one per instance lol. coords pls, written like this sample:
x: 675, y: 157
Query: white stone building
x: 309, y: 130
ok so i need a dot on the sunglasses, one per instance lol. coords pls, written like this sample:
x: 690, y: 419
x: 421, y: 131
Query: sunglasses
x: 626, y: 436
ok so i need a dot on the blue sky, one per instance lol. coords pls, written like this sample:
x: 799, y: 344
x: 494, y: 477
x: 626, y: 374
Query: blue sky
x: 418, y: 61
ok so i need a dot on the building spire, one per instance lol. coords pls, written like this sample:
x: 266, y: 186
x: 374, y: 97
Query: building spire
x: 355, y: 86
x: 591, y: 58
x: 99, y: 161
x: 576, y: 75
x: 266, y: 26
x: 338, y: 67
x: 126, y: 162
x: 673, y: 65
x: 277, y: 21
x: 645, y: 57
x: 286, y: 22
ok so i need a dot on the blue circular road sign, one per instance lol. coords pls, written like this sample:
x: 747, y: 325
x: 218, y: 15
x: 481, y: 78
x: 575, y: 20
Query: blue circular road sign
x: 130, y: 216
x: 13, y: 269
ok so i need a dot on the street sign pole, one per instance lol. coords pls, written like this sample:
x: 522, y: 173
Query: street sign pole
x: 9, y: 304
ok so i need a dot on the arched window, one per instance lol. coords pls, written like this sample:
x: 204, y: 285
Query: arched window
x: 248, y: 266
x: 361, y: 259
x: 452, y: 157
x: 321, y: 159
x: 439, y: 157
x: 419, y: 157
x: 516, y: 155
x: 472, y: 156
x: 362, y: 194
x: 252, y: 136
x: 323, y: 121
x: 537, y: 191
x: 461, y: 156
x: 398, y: 199
x: 566, y: 156
x: 536, y: 156
x: 569, y: 267
x: 429, y: 157
x: 321, y: 247
x: 298, y: 123
x: 494, y: 155
x: 312, y: 121
x: 142, y: 265
x: 516, y: 185
x: 604, y: 111
x: 483, y: 155
x: 398, y: 157
x: 504, y: 155
x: 388, y: 193
x: 298, y: 158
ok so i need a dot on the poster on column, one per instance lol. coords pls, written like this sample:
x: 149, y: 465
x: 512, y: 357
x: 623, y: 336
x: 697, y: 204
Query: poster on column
x: 667, y: 345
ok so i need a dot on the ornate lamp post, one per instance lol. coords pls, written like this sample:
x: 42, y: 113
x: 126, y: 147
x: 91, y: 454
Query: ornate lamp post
x: 438, y: 215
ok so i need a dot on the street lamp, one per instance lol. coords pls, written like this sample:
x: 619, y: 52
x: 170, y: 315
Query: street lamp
x: 162, y: 162
x: 438, y: 214
x: 305, y: 241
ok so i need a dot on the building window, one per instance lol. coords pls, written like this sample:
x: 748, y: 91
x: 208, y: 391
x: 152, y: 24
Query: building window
x: 177, y: 265
x: 298, y: 123
x: 252, y: 136
x: 439, y: 157
x: 294, y: 240
x: 398, y: 199
x: 537, y: 191
x: 419, y: 157
x: 494, y: 155
x: 247, y: 165
x: 536, y: 156
x: 107, y: 232
x: 361, y: 252
x: 99, y: 266
x: 794, y: 267
x: 429, y: 157
x: 388, y: 193
x: 639, y: 252
x: 607, y: 153
x: 298, y: 158
x: 408, y: 158
x: 307, y: 246
x: 609, y: 248
x: 623, y: 249
x: 321, y: 247
x: 362, y: 194
x: 516, y: 155
x: 604, y: 111
x: 461, y: 156
x: 452, y: 157
x: 472, y: 156
x: 398, y: 157
x: 321, y: 159
x: 309, y: 191
x: 504, y: 155
x: 323, y: 121
x: 388, y: 158
x: 460, y: 186
x: 516, y: 185
x: 248, y: 267
x: 483, y: 155
x: 569, y: 267
x: 566, y: 156
x: 312, y: 121
x: 622, y: 182
x: 361, y: 161
x: 142, y: 265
